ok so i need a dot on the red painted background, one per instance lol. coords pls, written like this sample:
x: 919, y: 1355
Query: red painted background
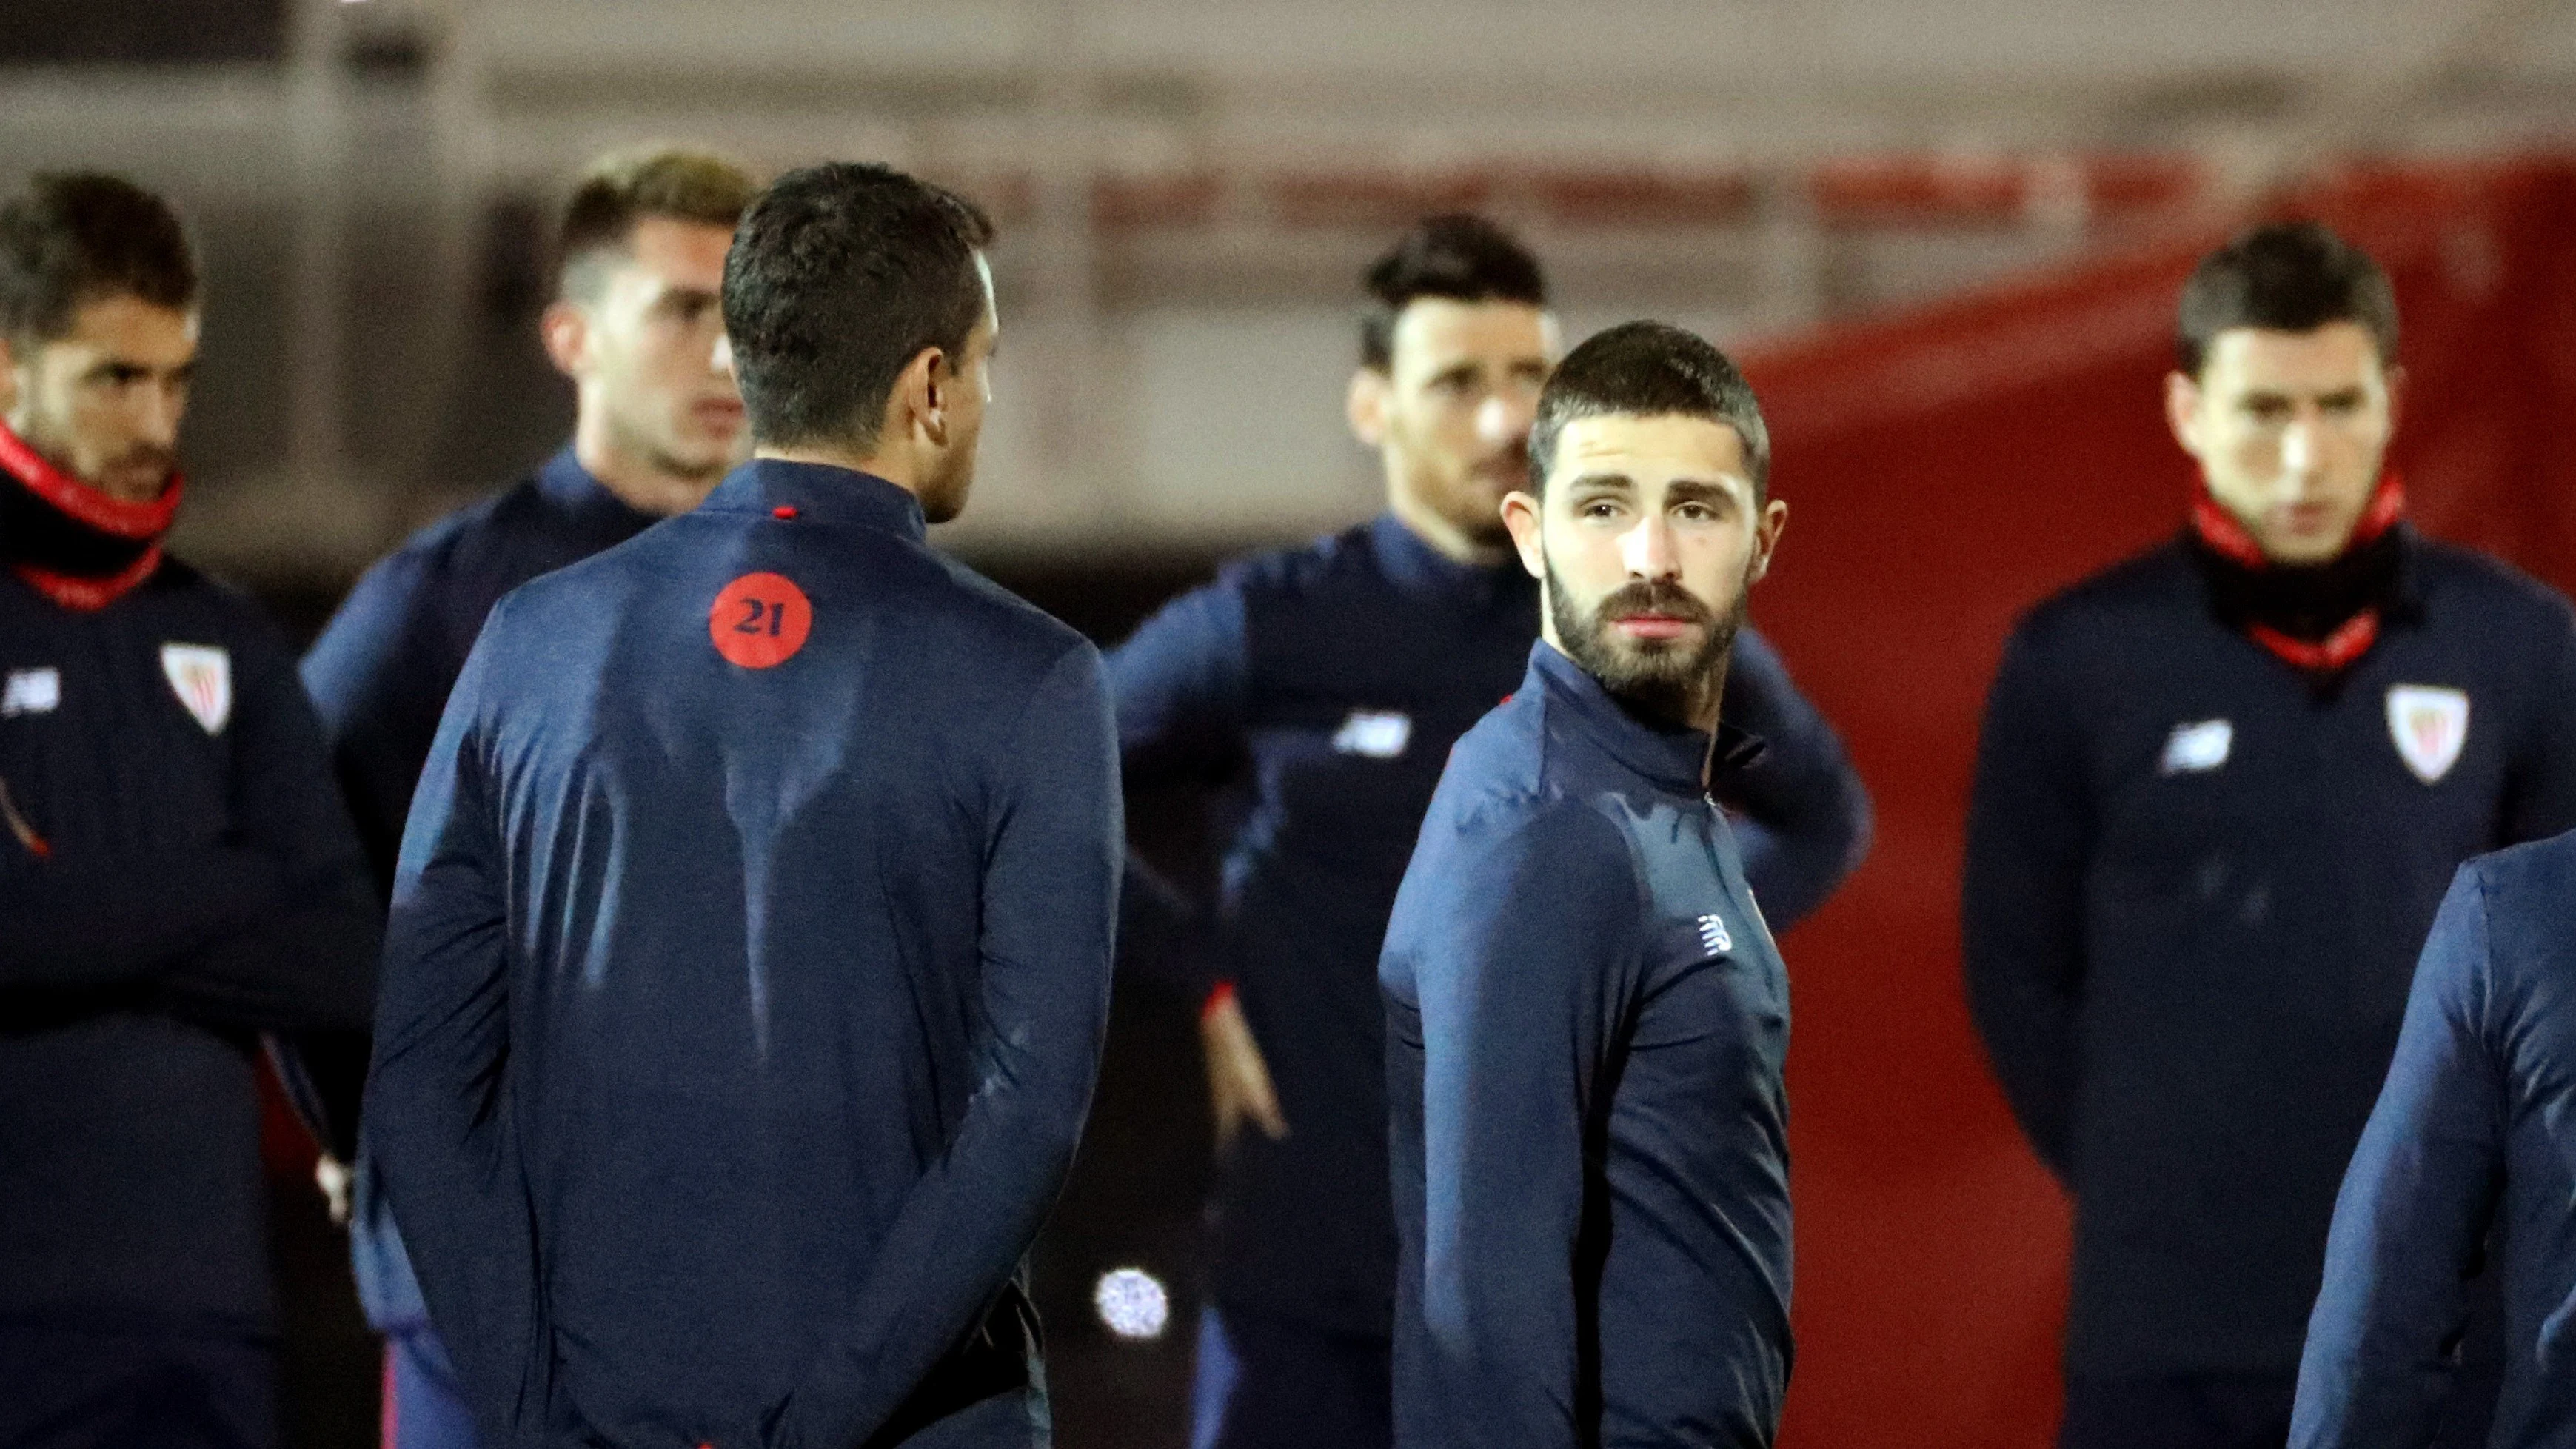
x: 1945, y: 470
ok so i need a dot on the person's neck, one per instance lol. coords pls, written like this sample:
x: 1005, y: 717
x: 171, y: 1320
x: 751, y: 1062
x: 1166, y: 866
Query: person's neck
x: 899, y: 469
x: 635, y: 480
x: 1445, y: 538
x: 1700, y: 712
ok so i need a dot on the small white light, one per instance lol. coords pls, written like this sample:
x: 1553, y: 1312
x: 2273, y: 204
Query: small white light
x: 1132, y: 1302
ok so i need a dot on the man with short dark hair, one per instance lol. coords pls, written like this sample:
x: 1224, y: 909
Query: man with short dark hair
x: 750, y: 946
x: 1328, y: 683
x: 1587, y: 1019
x: 637, y: 323
x: 2220, y: 790
x: 177, y: 874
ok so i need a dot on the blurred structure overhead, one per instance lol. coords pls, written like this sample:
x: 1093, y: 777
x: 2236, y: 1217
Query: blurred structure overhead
x: 1187, y: 191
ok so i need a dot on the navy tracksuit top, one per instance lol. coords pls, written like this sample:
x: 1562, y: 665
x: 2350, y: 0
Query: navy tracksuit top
x: 201, y: 887
x: 379, y: 677
x: 2195, y: 887
x: 1323, y: 686
x: 1587, y: 1026
x: 745, y: 983
x: 2473, y: 1132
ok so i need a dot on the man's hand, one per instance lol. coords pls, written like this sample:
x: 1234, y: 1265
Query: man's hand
x: 332, y: 1176
x: 1238, y: 1079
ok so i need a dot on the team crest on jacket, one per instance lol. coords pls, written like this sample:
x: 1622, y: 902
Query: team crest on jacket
x: 202, y: 676
x: 2430, y: 724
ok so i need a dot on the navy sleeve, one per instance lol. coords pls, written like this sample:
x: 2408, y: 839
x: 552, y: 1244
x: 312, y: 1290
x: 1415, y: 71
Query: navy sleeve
x: 1179, y: 685
x: 2540, y: 788
x: 308, y: 965
x: 2411, y: 1220
x: 379, y: 676
x: 439, y: 1122
x: 1534, y: 944
x: 1050, y: 906
x: 2030, y: 831
x: 1804, y: 818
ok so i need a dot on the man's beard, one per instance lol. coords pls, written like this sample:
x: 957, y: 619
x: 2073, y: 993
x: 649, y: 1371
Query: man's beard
x: 1664, y: 681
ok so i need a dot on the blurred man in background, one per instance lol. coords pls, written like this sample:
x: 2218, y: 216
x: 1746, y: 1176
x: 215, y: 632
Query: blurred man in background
x: 750, y: 946
x: 1328, y: 683
x: 1588, y: 1018
x: 637, y: 324
x: 177, y: 873
x: 2219, y: 793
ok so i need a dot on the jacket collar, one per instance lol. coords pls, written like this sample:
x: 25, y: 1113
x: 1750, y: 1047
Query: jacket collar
x: 1680, y: 761
x: 818, y: 493
x: 571, y: 488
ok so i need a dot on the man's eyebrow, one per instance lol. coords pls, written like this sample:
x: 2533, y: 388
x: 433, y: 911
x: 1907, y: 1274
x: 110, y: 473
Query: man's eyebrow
x: 1694, y: 488
x: 1604, y: 482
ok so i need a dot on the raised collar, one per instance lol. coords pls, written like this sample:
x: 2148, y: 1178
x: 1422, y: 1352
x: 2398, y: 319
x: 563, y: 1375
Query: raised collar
x: 818, y: 493
x: 1413, y: 565
x: 1676, y: 760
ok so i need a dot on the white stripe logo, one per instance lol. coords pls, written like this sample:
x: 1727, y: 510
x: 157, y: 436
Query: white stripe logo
x: 1713, y: 936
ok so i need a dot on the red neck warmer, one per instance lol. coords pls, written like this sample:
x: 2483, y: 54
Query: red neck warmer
x: 129, y: 532
x: 2218, y: 530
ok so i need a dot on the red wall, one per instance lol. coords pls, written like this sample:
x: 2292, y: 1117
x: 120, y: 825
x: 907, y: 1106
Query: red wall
x: 1944, y: 471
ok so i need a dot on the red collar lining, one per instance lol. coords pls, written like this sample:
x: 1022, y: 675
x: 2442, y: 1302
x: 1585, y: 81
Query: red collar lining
x: 78, y: 500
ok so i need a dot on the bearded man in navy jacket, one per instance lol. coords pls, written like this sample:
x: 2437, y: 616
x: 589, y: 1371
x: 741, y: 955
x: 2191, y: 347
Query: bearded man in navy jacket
x: 1586, y: 1017
x: 2220, y: 791
x: 750, y: 945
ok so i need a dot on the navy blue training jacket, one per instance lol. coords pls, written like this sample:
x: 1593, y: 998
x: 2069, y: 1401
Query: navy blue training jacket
x: 1588, y: 1023
x: 2472, y: 1133
x: 2195, y: 886
x: 1323, y: 687
x: 745, y: 983
x: 379, y: 677
x: 199, y: 886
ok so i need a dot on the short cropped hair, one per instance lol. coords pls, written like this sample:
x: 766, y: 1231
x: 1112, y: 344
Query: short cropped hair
x: 2292, y: 276
x: 1650, y: 370
x: 1463, y: 258
x: 72, y: 238
x: 839, y: 276
x: 626, y: 187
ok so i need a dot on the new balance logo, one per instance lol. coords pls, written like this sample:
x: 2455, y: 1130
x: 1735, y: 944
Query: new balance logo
x: 1712, y: 934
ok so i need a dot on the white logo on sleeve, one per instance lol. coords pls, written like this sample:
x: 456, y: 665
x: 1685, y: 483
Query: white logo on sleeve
x: 1380, y: 734
x: 1713, y: 936
x: 2429, y: 724
x: 2192, y: 748
x: 202, y: 676
x: 31, y: 691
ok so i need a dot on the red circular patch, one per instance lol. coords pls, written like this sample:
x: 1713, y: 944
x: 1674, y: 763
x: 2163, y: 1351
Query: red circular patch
x: 760, y: 620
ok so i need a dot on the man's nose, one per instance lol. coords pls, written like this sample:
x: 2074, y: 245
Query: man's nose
x: 156, y: 416
x: 720, y: 357
x: 1647, y: 549
x: 1502, y: 418
x: 2300, y: 453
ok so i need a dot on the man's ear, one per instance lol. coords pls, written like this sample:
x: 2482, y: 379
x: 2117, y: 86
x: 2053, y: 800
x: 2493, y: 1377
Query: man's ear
x: 2182, y: 405
x: 1521, y: 517
x: 1365, y: 406
x: 565, y: 328
x: 1766, y: 537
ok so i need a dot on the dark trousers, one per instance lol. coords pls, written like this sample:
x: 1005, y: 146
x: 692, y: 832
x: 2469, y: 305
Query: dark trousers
x: 1268, y: 1382
x: 77, y: 1388
x: 424, y: 1408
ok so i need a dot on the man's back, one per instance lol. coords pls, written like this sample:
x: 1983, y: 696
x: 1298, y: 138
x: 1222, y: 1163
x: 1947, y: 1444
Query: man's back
x: 800, y: 907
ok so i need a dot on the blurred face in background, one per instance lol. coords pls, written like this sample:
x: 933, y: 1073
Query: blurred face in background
x: 1451, y: 415
x: 2291, y: 430
x: 640, y: 333
x: 1647, y: 540
x: 103, y: 401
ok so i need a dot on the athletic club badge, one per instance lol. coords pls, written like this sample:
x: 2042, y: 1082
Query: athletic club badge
x: 202, y: 676
x: 2430, y: 725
